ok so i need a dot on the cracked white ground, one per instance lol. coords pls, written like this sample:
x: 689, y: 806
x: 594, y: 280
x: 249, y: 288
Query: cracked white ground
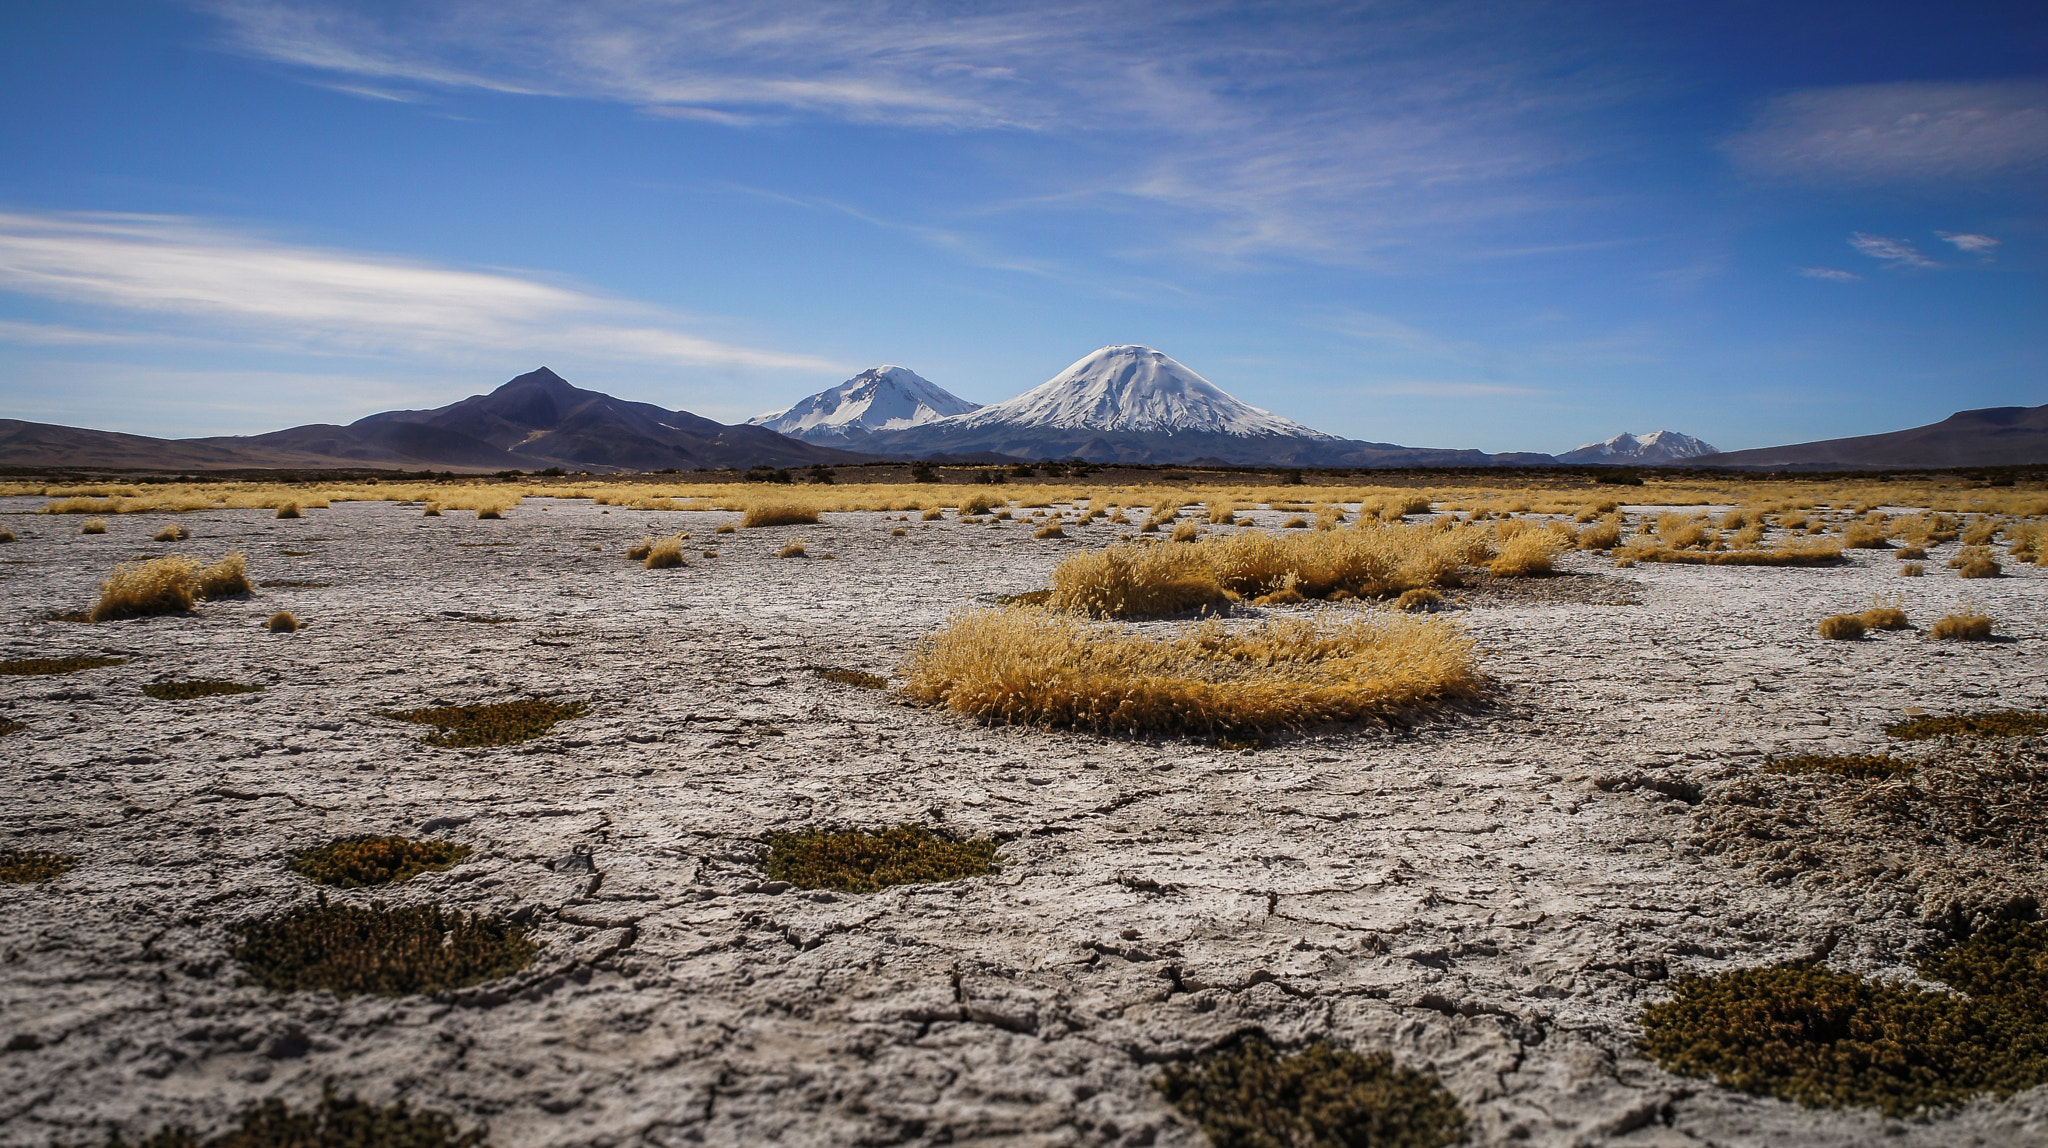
x: 1462, y: 893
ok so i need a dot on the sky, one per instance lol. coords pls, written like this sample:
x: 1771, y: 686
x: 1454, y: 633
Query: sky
x: 1501, y: 224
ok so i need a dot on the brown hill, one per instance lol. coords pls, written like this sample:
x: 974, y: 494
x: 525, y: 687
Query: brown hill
x: 1994, y: 436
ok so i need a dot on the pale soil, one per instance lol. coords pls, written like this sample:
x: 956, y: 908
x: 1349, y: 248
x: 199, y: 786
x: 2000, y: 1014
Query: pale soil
x: 1492, y: 895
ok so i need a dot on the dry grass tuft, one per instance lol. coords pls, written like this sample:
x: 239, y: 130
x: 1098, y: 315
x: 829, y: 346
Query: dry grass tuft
x: 1321, y: 1097
x: 171, y: 533
x: 227, y: 578
x: 186, y: 691
x: 144, y: 589
x: 93, y: 526
x: 726, y: 528
x: 6, y: 535
x: 433, y: 510
x: 504, y: 723
x: 1222, y: 513
x: 1981, y: 568
x: 1296, y: 523
x: 858, y: 861
x: 1788, y: 554
x: 1912, y: 570
x: 667, y: 553
x: 1885, y: 618
x: 1049, y: 530
x: 489, y: 512
x: 356, y: 862
x: 640, y: 551
x: 1422, y: 599
x: 1965, y: 627
x: 348, y: 950
x: 283, y: 622
x: 778, y: 514
x: 1842, y: 627
x: 1529, y: 554
x: 32, y: 866
x: 934, y: 514
x: 1864, y: 536
x: 1027, y: 666
x: 1602, y: 535
x: 289, y: 510
x: 1137, y: 581
x: 1908, y: 553
x: 794, y: 548
x: 1186, y: 531
x: 898, y: 532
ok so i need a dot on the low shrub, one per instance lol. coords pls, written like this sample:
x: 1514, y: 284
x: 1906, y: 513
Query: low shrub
x: 1862, y: 767
x: 167, y: 585
x: 356, y: 862
x: 1806, y: 1034
x: 667, y: 553
x: 93, y: 526
x: 283, y: 622
x: 860, y: 861
x: 186, y: 691
x: 1842, y: 627
x: 1969, y: 556
x: 794, y: 548
x: 343, y: 1122
x: 1968, y: 627
x: 289, y: 510
x: 58, y: 665
x: 31, y: 866
x: 778, y: 514
x: 1528, y: 554
x: 171, y: 533
x: 347, y: 950
x: 502, y: 723
x: 1981, y: 568
x: 227, y: 578
x: 1321, y: 1097
x: 1027, y: 666
x: 1996, y: 723
x: 861, y: 678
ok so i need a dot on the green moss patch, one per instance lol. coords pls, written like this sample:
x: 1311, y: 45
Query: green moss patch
x: 861, y: 678
x: 197, y: 688
x: 504, y: 723
x: 28, y: 866
x: 348, y: 950
x: 343, y: 1122
x: 1836, y: 1040
x: 858, y: 861
x: 1861, y: 766
x: 353, y: 862
x: 1321, y: 1097
x: 2004, y: 723
x: 58, y: 665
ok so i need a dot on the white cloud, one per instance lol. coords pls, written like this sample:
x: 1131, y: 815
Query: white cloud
x: 1325, y: 130
x: 1893, y: 252
x: 1830, y: 273
x: 169, y: 273
x: 1901, y: 132
x: 1971, y: 244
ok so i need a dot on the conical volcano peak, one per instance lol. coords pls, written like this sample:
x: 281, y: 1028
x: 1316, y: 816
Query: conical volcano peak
x: 887, y: 397
x: 1133, y: 388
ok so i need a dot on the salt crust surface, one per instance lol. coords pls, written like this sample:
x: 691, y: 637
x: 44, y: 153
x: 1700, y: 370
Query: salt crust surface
x: 1464, y: 893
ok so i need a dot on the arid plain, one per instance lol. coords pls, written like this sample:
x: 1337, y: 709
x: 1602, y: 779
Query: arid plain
x: 1492, y: 891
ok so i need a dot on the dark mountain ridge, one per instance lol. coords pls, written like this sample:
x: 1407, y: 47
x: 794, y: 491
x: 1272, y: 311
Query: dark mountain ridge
x: 1991, y: 436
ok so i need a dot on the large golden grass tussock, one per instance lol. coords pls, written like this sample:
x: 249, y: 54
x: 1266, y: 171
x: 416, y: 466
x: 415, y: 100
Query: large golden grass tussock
x: 1529, y: 554
x: 779, y: 514
x: 140, y: 589
x: 1036, y: 667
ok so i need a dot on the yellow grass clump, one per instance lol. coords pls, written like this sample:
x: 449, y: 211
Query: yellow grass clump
x: 793, y: 549
x: 932, y: 515
x: 6, y: 535
x: 433, y: 510
x: 640, y: 550
x: 1865, y: 536
x: 778, y: 514
x: 143, y: 589
x: 1842, y: 627
x: 1792, y: 552
x: 93, y: 526
x: 1223, y: 512
x: 1912, y: 570
x: 1419, y: 600
x: 1027, y: 666
x: 976, y: 504
x: 227, y: 578
x: 1049, y: 530
x: 1887, y: 613
x: 283, y: 622
x: 1968, y: 626
x: 289, y: 510
x: 1528, y: 554
x: 171, y: 533
x: 1981, y: 568
x: 666, y: 553
x: 1186, y: 531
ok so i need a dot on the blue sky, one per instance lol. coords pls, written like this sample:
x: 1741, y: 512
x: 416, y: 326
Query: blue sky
x: 1503, y: 225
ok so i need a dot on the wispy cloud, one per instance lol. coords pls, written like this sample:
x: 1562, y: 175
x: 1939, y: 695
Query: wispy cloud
x: 1970, y: 244
x: 156, y: 271
x: 1895, y: 253
x: 1325, y: 130
x: 1901, y: 132
x: 1833, y: 274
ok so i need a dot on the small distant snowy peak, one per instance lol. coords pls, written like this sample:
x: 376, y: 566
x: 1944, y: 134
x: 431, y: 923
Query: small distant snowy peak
x: 1134, y: 389
x: 1657, y: 446
x: 880, y: 398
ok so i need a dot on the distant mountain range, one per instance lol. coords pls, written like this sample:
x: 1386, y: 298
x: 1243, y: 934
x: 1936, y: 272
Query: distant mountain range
x: 1127, y: 404
x: 1643, y: 450
x: 1120, y: 404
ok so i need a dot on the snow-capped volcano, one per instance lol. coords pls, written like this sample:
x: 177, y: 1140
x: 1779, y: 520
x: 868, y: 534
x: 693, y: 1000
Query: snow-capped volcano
x: 1657, y: 446
x: 1133, y: 389
x: 880, y: 398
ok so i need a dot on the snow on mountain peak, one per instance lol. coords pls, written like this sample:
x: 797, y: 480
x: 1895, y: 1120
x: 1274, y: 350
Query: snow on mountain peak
x: 1657, y: 446
x: 887, y: 397
x: 1133, y: 388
